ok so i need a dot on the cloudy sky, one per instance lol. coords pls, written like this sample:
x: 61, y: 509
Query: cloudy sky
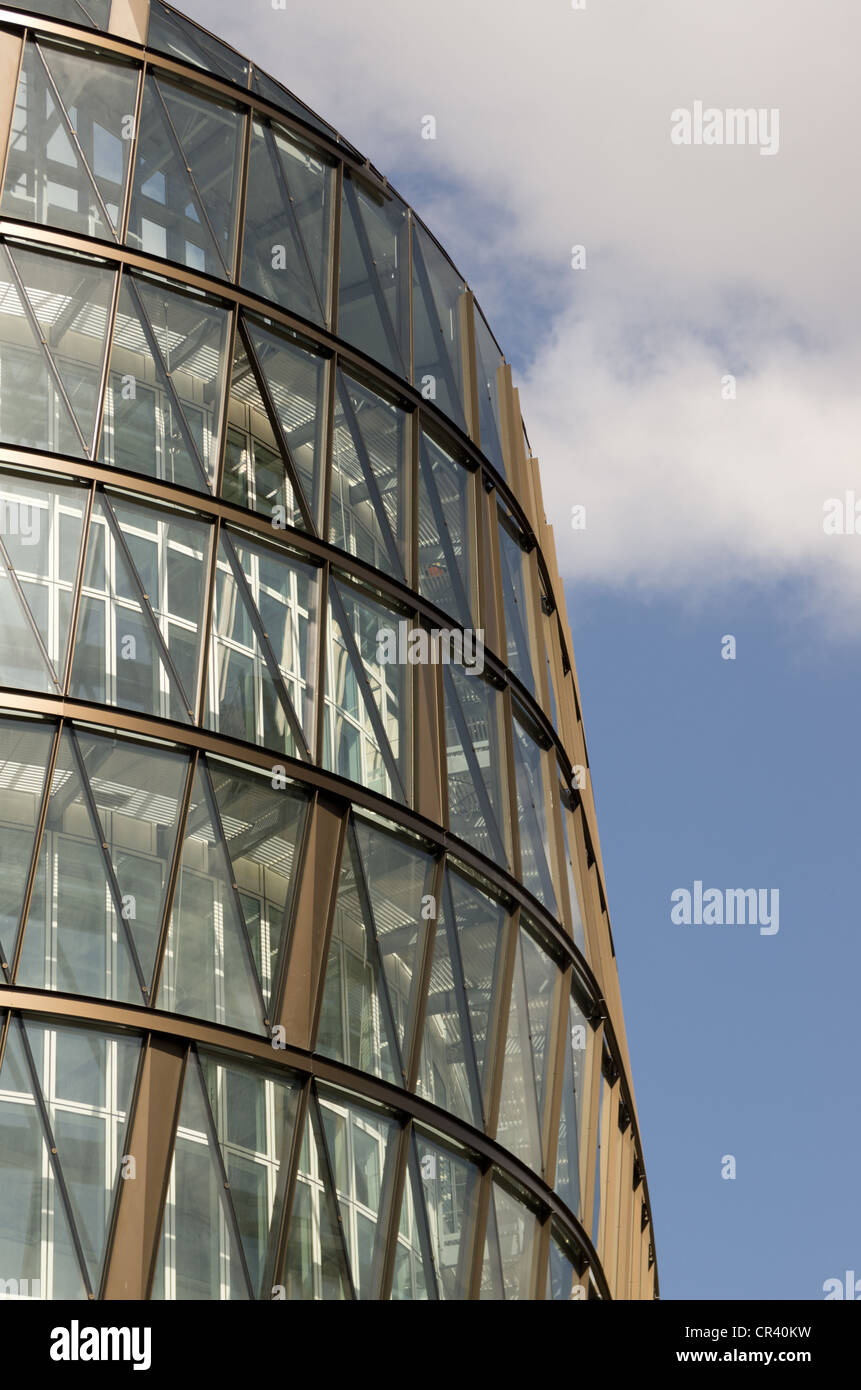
x: 704, y: 517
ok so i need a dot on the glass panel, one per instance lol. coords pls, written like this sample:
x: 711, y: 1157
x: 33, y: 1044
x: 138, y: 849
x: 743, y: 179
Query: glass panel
x: 254, y: 1116
x: 512, y: 1229
x: 374, y: 295
x: 25, y: 749
x: 368, y: 501
x: 209, y: 969
x: 53, y: 337
x: 288, y: 226
x: 413, y: 1280
x: 41, y: 529
x: 516, y: 595
x: 437, y: 294
x: 68, y: 161
x: 263, y: 829
x: 361, y: 1156
x: 105, y: 857
x: 316, y: 1263
x: 289, y: 424
x: 166, y: 385
x: 264, y: 651
x: 449, y: 1190
x: 566, y: 808
x: 564, y: 1283
x: 87, y: 1080
x: 186, y: 184
x: 531, y: 770
x: 570, y: 1120
x: 172, y: 33
x: 200, y: 1256
x: 366, y: 696
x: 446, y: 532
x: 357, y: 1023
x: 475, y: 760
x: 90, y: 14
x: 488, y: 361
x: 479, y: 922
x: 266, y: 87
x: 138, y: 643
x: 522, y: 1100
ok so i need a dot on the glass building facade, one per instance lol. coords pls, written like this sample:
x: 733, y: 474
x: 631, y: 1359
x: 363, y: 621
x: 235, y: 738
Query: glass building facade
x: 307, y: 984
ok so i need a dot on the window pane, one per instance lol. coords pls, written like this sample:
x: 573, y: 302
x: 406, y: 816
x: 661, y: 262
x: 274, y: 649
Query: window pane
x: 517, y: 598
x: 369, y: 503
x: 266, y: 87
x: 530, y: 1017
x: 475, y: 760
x: 361, y: 1152
x: 90, y: 14
x: 25, y: 748
x: 446, y: 533
x: 488, y: 361
x: 577, y: 1053
x: 172, y: 33
x: 512, y: 1231
x: 532, y: 771
x: 449, y: 1189
x: 437, y: 296
x: 374, y: 295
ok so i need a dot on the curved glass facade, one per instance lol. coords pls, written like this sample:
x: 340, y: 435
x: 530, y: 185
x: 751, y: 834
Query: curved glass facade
x: 307, y: 985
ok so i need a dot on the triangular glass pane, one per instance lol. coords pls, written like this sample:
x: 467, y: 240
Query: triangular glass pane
x: 208, y: 971
x: 437, y: 294
x: 137, y: 791
x: 445, y: 531
x: 286, y: 256
x: 255, y: 475
x: 166, y: 385
x: 412, y: 1279
x: 365, y: 737
x: 172, y: 33
x: 263, y: 829
x: 255, y: 1116
x: 75, y: 940
x: 186, y: 178
x: 368, y: 490
x: 449, y: 1189
x: 480, y: 923
x: 475, y: 763
x: 120, y: 657
x: 519, y: 1125
x: 448, y: 1074
x: 296, y: 387
x: 529, y: 768
x: 358, y: 1145
x: 315, y: 1268
x: 49, y: 382
x: 88, y: 1080
x: 199, y: 1258
x: 25, y: 748
x: 373, y: 303
x: 398, y: 877
x: 41, y: 526
x: 355, y: 1019
x: 35, y: 1235
x: 264, y: 627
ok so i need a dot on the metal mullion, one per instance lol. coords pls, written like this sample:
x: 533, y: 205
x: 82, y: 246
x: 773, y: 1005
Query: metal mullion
x: 278, y: 1248
x: 113, y: 884
x: 227, y: 1206
x: 474, y: 769
x: 101, y: 403
x: 196, y: 193
x: 70, y: 130
x: 11, y: 970
x: 36, y: 328
x: 418, y: 1009
x: 27, y: 614
x: 367, y: 694
x: 173, y: 876
x: 393, y: 1179
x: 334, y: 370
x: 128, y: 191
x: 374, y: 943
x: 145, y: 601
x: 275, y: 421
x: 265, y: 649
x: 472, y: 1070
x: 5, y: 1025
x: 78, y: 590
x: 420, y: 1214
x: 54, y: 1157
x: 218, y: 828
x: 335, y: 234
x: 281, y: 180
x: 330, y: 1186
x: 207, y: 621
x: 224, y: 421
x: 480, y: 1235
x: 427, y: 474
x: 322, y: 664
x: 158, y: 360
x: 242, y: 200
x: 367, y: 468
x: 371, y: 273
x: 411, y: 363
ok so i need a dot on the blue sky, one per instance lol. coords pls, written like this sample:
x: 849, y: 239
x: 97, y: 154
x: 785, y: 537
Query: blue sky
x: 704, y: 518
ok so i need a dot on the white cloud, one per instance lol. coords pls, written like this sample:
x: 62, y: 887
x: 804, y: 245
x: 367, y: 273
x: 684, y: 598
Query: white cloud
x: 554, y: 129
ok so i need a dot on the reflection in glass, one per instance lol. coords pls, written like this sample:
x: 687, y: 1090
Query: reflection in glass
x: 68, y: 161
x: 361, y: 1154
x: 316, y: 1264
